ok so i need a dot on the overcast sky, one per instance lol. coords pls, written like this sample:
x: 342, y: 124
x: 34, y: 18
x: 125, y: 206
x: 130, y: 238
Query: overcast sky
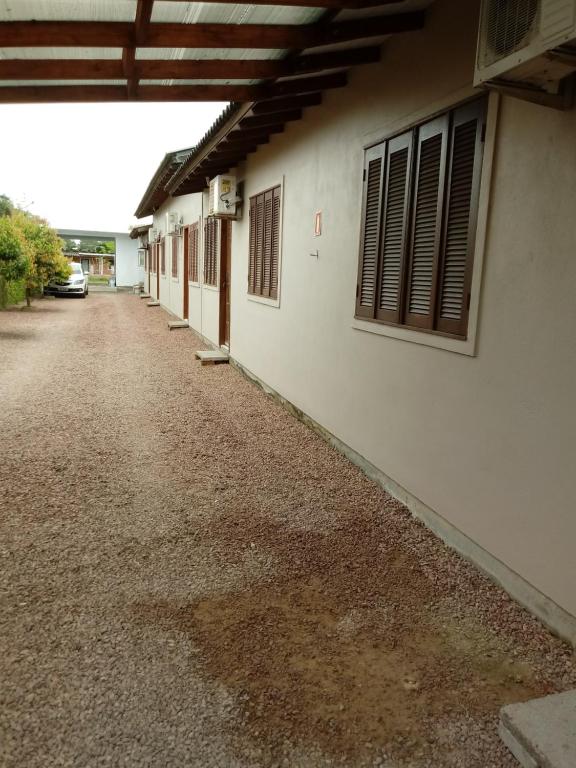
x: 87, y: 166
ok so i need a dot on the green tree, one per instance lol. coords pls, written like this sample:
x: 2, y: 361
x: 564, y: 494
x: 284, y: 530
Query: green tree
x: 14, y: 256
x: 89, y: 245
x: 46, y: 261
x: 6, y: 206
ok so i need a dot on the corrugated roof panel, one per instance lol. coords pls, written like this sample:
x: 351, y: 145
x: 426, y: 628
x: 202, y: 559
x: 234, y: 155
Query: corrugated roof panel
x: 237, y: 13
x: 69, y: 10
x: 175, y: 54
x: 9, y: 83
x: 199, y: 82
x: 60, y: 53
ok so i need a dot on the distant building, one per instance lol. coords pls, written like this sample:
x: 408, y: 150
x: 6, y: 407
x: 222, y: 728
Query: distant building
x: 125, y: 264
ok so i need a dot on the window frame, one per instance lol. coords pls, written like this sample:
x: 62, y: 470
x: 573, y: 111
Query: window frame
x: 153, y: 257
x: 271, y: 295
x: 211, y: 265
x: 174, y: 257
x: 443, y: 121
x: 162, y: 246
x: 193, y: 275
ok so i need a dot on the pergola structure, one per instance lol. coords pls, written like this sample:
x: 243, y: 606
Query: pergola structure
x: 173, y: 50
x: 270, y: 58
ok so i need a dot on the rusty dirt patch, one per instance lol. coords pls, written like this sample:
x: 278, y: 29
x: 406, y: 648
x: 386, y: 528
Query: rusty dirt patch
x: 349, y: 647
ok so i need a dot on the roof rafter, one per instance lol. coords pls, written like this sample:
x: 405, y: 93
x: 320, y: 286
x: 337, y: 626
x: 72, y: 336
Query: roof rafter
x: 184, y: 69
x: 141, y: 23
x: 121, y: 34
x: 247, y: 93
x: 334, y: 4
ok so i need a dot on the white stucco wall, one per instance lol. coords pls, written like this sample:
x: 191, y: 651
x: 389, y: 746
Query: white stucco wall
x: 172, y: 289
x: 203, y: 300
x: 488, y: 440
x: 128, y: 271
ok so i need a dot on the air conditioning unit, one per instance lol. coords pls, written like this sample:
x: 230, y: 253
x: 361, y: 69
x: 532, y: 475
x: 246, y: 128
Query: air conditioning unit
x: 222, y: 199
x: 173, y: 223
x: 528, y: 42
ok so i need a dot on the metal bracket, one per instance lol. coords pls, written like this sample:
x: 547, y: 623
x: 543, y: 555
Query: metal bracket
x: 563, y: 100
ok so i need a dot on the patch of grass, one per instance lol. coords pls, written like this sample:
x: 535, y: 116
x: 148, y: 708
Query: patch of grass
x: 98, y: 280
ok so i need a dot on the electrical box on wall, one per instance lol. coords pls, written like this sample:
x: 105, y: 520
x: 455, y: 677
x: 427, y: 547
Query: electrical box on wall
x: 223, y: 200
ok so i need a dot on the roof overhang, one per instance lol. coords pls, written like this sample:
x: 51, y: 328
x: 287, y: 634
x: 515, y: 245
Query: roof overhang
x: 173, y: 50
x: 289, y: 81
x: 137, y: 232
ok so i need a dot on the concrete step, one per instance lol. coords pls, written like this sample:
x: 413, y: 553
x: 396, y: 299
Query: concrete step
x: 145, y: 296
x: 541, y: 733
x: 153, y: 304
x: 173, y: 324
x: 212, y: 356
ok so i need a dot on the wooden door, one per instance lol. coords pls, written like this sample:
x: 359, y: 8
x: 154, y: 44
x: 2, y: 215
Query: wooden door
x: 148, y: 259
x: 225, y: 280
x: 158, y: 258
x: 185, y: 272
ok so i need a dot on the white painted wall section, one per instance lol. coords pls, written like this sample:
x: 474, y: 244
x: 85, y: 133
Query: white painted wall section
x: 486, y: 440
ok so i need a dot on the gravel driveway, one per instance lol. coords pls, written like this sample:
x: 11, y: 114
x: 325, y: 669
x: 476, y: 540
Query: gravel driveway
x: 190, y: 577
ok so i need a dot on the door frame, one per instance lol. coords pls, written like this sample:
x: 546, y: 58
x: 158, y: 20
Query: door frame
x: 158, y: 260
x: 185, y: 289
x: 225, y: 261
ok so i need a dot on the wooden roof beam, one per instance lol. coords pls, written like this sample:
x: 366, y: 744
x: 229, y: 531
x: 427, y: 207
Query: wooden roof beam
x: 240, y: 93
x: 141, y: 24
x: 188, y: 189
x: 287, y: 104
x: 304, y: 85
x: 316, y: 62
x: 259, y: 121
x: 52, y: 94
x: 217, y: 155
x: 121, y: 34
x: 128, y: 71
x: 333, y: 4
x: 238, y: 136
x: 209, y: 69
x: 47, y: 94
x: 65, y: 69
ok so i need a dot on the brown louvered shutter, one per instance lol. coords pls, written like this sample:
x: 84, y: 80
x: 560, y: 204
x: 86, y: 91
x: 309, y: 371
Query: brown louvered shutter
x: 259, y: 213
x: 395, y: 220
x: 427, y: 223
x: 193, y: 253
x: 463, y: 187
x: 207, y: 247
x: 275, y: 251
x: 211, y: 239
x: 163, y: 256
x: 188, y: 245
x: 252, y: 248
x: 370, y: 235
x: 264, y: 243
x: 207, y: 250
x: 267, y: 244
x: 174, y: 256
